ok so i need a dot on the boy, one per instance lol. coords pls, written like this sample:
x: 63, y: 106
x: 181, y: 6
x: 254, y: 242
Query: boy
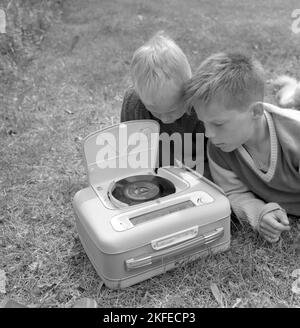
x: 159, y: 69
x: 253, y: 147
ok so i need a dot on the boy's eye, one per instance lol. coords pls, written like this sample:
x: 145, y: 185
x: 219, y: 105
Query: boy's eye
x: 218, y: 124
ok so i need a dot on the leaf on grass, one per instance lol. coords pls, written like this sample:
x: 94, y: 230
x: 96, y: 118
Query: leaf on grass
x: 144, y: 298
x: 237, y: 303
x: 2, y: 21
x: 296, y: 273
x: 8, y: 303
x: 33, y: 266
x: 85, y: 303
x: 296, y: 245
x: 36, y: 291
x: 77, y: 139
x: 296, y: 286
x: 217, y: 294
x: 280, y: 305
x: 46, y: 285
x: 74, y: 42
x: 101, y: 283
x: 2, y: 282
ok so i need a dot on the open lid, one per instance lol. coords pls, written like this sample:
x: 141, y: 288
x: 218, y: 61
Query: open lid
x: 121, y: 150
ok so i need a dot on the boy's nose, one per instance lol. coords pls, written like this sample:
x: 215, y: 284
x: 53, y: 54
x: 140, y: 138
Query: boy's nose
x: 209, y: 132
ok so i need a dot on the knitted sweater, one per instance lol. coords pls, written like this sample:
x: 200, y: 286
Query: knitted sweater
x: 187, y: 126
x: 247, y: 187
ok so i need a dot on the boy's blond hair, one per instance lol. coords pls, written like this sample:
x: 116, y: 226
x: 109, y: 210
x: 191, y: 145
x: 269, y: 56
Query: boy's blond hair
x: 157, y: 62
x: 238, y: 78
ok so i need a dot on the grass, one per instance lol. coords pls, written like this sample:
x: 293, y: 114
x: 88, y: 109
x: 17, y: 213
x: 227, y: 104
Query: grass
x: 66, y: 79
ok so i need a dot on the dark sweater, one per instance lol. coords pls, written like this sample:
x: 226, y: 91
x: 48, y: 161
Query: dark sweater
x: 134, y: 109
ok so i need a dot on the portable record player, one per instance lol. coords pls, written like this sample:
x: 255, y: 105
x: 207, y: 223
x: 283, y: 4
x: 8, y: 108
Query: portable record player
x: 135, y: 221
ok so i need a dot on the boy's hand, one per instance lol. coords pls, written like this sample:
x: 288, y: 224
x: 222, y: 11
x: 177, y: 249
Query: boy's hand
x: 272, y: 224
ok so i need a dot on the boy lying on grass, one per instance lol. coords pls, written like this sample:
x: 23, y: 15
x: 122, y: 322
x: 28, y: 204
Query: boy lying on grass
x: 159, y: 69
x: 253, y: 147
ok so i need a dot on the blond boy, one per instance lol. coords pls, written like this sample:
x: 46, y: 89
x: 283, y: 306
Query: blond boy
x: 253, y: 147
x: 159, y: 69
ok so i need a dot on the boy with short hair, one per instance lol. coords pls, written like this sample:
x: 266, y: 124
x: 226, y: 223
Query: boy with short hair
x: 253, y: 147
x: 159, y: 69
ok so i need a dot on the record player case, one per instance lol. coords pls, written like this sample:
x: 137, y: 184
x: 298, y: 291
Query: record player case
x: 128, y: 244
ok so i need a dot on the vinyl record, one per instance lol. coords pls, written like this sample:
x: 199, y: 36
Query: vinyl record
x: 142, y: 188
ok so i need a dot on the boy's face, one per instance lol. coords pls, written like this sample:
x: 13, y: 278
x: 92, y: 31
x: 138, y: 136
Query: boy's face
x: 226, y: 128
x: 167, y: 104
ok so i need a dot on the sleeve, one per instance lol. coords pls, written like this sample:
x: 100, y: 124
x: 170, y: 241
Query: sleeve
x: 243, y: 202
x: 133, y: 108
x: 127, y: 111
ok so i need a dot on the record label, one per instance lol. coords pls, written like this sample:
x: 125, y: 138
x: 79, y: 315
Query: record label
x: 142, y: 188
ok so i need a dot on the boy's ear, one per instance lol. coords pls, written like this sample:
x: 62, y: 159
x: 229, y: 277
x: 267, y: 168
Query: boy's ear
x: 257, y: 109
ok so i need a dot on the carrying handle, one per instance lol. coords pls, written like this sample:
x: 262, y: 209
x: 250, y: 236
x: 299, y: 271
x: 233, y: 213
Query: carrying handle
x: 135, y: 263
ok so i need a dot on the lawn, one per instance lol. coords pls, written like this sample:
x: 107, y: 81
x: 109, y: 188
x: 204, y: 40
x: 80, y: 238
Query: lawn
x: 69, y: 81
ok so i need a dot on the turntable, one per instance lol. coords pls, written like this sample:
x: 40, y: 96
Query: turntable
x: 135, y: 221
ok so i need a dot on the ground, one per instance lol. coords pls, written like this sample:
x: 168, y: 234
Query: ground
x: 72, y: 84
